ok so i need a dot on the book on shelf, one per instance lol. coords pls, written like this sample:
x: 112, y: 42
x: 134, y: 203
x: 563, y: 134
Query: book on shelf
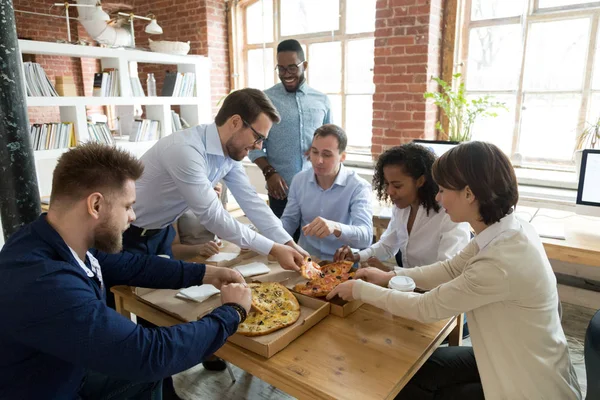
x: 145, y: 129
x: 37, y: 82
x: 136, y: 87
x: 106, y: 83
x: 52, y: 136
x: 179, y: 84
x: 100, y: 133
x: 178, y: 123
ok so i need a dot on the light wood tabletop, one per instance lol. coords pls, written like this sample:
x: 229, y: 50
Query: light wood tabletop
x: 370, y: 354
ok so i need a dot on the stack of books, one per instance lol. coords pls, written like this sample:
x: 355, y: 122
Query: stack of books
x: 52, y: 136
x: 145, y: 129
x: 100, y: 133
x: 106, y: 84
x: 36, y: 81
x: 178, y: 123
x: 179, y: 84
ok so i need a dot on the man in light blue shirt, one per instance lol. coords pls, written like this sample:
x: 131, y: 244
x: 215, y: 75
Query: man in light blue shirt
x: 302, y: 111
x: 181, y: 170
x: 331, y: 203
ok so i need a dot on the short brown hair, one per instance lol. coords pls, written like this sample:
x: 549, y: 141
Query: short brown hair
x: 93, y: 167
x: 488, y: 173
x: 333, y: 130
x: 249, y: 104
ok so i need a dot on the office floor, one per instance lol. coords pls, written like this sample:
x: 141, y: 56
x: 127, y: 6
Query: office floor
x: 197, y: 383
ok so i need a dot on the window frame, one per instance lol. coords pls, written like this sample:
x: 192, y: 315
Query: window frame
x: 306, y: 39
x: 533, y: 14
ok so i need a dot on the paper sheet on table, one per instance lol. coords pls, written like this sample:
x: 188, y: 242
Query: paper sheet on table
x: 222, y: 257
x: 252, y: 269
x: 198, y: 293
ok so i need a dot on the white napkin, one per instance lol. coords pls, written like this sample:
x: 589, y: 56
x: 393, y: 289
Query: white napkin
x: 252, y: 269
x: 222, y: 257
x: 198, y: 293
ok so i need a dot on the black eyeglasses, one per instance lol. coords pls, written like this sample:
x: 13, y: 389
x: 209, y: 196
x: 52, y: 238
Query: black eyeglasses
x: 292, y: 69
x: 259, y: 138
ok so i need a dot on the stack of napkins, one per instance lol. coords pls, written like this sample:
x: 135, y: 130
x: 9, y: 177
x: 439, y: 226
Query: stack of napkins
x: 222, y: 257
x: 198, y: 293
x: 252, y: 269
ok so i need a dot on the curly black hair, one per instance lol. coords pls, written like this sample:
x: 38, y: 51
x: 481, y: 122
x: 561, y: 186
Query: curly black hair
x: 416, y: 161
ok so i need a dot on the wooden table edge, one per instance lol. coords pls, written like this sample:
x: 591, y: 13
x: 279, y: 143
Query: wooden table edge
x: 127, y: 303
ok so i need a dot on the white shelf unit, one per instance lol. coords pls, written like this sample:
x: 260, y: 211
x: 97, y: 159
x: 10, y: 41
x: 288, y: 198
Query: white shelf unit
x: 195, y: 110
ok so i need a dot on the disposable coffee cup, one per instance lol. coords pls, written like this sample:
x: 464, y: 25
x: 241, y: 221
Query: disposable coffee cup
x: 402, y: 284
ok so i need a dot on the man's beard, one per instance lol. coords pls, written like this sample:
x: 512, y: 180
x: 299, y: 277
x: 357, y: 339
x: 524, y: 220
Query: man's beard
x: 233, y: 152
x: 109, y: 238
x: 295, y: 88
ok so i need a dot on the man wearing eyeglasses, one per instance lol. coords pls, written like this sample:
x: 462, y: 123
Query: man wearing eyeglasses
x: 302, y: 110
x: 182, y: 169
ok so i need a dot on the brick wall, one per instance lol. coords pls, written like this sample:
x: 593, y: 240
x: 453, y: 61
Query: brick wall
x: 203, y: 23
x: 407, y: 53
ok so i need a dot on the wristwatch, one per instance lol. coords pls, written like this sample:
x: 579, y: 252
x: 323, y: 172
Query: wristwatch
x: 240, y: 310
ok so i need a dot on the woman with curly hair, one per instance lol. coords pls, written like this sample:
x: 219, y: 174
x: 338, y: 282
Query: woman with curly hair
x: 419, y: 228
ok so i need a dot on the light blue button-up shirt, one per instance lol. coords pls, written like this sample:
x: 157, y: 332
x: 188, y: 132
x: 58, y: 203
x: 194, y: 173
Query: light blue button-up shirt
x: 180, y: 171
x: 347, y: 201
x: 302, y: 112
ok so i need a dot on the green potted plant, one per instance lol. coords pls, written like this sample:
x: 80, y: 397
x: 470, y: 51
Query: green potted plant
x: 589, y: 138
x: 460, y: 111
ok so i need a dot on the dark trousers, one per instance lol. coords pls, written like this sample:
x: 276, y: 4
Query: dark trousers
x: 158, y: 243
x: 450, y: 373
x: 278, y: 206
x: 101, y: 387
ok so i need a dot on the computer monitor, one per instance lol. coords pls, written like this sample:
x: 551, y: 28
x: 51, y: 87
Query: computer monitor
x: 588, y: 191
x: 439, y: 147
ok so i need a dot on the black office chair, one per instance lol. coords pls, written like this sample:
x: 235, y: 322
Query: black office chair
x: 592, y: 358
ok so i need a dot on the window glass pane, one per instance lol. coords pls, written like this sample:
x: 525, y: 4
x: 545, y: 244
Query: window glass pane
x: 494, y: 58
x: 359, y: 66
x: 259, y: 22
x: 325, y: 66
x: 488, y: 9
x: 548, y: 126
x: 498, y: 130
x: 558, y: 3
x: 594, y: 109
x: 360, y: 16
x: 596, y: 71
x: 359, y: 120
x: 336, y: 108
x: 260, y: 68
x: 555, y: 55
x: 307, y: 16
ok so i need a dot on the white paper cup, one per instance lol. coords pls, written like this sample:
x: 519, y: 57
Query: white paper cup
x: 402, y: 284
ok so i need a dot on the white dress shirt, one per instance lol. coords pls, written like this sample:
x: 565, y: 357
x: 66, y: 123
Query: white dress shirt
x: 347, y: 201
x: 504, y: 282
x: 180, y: 172
x: 433, y: 237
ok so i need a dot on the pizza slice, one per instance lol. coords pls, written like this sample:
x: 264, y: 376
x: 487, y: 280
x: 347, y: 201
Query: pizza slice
x: 269, y: 296
x: 310, y: 269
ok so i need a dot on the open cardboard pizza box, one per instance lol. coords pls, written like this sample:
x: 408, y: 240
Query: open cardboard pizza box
x: 289, y: 279
x: 311, y: 312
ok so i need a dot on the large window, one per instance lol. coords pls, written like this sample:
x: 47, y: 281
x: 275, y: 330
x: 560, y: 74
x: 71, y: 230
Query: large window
x: 337, y: 36
x: 540, y: 57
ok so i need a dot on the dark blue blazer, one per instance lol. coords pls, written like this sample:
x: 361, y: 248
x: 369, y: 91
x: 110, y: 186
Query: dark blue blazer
x: 55, y: 325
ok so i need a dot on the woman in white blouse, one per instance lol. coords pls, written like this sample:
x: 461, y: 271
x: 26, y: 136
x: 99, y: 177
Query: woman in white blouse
x: 419, y: 228
x: 502, y: 280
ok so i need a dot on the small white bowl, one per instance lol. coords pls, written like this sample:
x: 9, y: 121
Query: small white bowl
x: 168, y: 47
x: 402, y: 284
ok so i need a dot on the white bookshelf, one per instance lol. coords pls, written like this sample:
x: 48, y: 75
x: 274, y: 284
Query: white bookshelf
x: 195, y: 110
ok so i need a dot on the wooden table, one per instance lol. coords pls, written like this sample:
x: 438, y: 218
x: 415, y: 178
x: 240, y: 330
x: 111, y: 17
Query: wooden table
x: 367, y: 355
